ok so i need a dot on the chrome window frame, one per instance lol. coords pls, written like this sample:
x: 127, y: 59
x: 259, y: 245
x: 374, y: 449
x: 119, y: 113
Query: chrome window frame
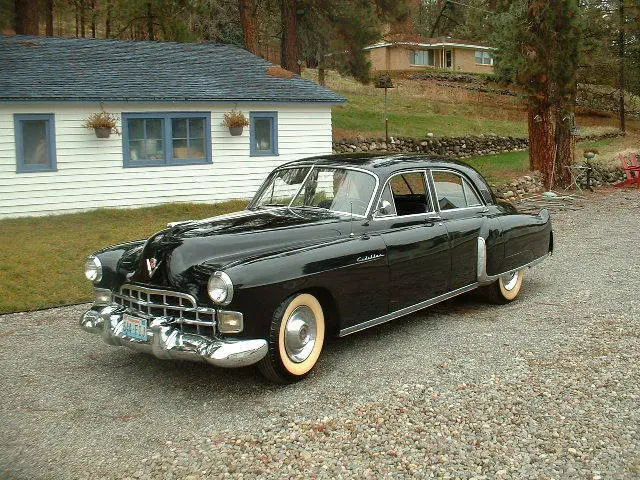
x: 464, y: 179
x: 427, y: 186
x: 374, y: 193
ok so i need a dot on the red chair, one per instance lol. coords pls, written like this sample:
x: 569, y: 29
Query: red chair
x: 631, y: 168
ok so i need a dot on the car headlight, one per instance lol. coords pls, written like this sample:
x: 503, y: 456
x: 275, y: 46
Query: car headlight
x: 220, y: 288
x: 93, y: 269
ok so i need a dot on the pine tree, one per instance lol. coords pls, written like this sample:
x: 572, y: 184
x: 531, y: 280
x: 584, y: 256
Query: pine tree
x: 538, y: 48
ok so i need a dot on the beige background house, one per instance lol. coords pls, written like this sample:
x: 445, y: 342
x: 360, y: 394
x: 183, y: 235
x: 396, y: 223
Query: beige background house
x: 420, y: 53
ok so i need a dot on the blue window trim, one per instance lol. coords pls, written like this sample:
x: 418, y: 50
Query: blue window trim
x: 168, y: 159
x: 49, y: 118
x: 253, y: 151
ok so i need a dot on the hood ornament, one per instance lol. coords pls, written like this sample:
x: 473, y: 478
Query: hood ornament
x: 152, y: 266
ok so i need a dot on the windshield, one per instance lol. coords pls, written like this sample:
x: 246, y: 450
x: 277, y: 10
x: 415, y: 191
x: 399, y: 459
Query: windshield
x: 336, y: 189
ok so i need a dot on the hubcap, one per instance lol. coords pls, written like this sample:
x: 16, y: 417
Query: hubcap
x: 300, y: 334
x: 510, y: 280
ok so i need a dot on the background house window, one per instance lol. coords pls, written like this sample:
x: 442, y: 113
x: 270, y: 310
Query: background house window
x: 153, y: 139
x: 263, y: 133
x: 35, y: 143
x: 423, y: 57
x: 483, y: 58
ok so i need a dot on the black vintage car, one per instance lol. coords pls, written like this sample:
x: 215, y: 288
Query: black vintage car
x: 328, y: 245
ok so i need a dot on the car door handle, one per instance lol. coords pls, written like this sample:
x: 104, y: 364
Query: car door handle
x: 431, y: 221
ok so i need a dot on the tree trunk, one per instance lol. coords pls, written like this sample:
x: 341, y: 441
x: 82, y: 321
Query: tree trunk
x: 289, y: 43
x: 27, y: 17
x: 621, y: 41
x: 249, y: 16
x: 83, y: 19
x: 565, y: 145
x: 150, y: 32
x: 107, y: 22
x: 541, y: 140
x: 49, y: 17
x: 321, y: 70
x: 93, y: 18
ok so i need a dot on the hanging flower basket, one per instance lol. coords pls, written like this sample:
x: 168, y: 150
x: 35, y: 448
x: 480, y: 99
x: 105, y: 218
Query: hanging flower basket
x: 102, y: 123
x: 235, y: 121
x: 102, y: 132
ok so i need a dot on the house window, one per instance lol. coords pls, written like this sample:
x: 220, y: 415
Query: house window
x: 263, y: 133
x: 156, y: 139
x: 35, y: 143
x: 423, y: 57
x: 483, y: 58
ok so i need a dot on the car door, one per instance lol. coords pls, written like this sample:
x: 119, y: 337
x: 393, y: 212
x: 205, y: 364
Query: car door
x: 463, y: 214
x: 416, y: 239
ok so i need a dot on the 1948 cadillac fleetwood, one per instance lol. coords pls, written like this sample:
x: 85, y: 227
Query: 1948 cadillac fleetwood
x: 328, y: 245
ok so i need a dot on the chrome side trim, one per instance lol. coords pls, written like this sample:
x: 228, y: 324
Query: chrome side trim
x: 406, y: 311
x: 484, y: 278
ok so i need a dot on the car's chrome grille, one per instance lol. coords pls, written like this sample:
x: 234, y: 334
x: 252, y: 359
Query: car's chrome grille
x: 180, y: 307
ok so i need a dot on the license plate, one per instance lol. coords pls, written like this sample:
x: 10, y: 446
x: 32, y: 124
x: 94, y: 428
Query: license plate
x: 134, y: 327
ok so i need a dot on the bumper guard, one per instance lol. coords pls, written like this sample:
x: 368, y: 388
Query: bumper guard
x: 168, y: 342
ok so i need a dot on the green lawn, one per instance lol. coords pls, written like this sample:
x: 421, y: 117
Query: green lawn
x: 42, y: 259
x: 502, y: 167
x: 415, y: 117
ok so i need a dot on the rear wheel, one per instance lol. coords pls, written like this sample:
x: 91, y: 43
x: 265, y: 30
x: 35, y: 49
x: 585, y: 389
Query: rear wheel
x: 506, y: 288
x: 295, y: 339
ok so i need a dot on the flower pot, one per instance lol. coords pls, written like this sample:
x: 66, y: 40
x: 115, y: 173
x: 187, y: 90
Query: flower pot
x: 102, y: 132
x: 235, y: 131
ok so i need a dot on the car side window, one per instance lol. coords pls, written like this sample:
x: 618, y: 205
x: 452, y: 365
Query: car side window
x: 470, y: 194
x: 409, y: 192
x: 449, y: 190
x: 453, y: 191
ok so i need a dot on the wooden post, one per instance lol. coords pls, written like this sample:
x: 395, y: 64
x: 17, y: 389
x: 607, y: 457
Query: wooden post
x: 386, y: 118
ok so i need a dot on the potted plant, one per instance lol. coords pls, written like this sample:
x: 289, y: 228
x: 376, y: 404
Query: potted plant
x: 102, y: 123
x: 235, y: 121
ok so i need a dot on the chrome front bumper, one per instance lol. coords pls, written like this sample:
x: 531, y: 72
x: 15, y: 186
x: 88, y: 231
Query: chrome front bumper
x: 168, y: 342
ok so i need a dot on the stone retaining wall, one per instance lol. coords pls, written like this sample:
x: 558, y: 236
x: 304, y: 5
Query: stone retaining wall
x: 459, y: 147
x: 520, y: 187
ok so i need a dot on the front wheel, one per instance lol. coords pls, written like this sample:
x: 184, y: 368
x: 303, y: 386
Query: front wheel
x: 295, y: 339
x: 506, y: 288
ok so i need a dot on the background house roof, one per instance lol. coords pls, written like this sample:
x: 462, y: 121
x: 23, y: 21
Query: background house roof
x: 83, y: 69
x: 420, y: 41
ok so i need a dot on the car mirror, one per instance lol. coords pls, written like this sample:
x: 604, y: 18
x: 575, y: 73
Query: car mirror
x: 384, y: 208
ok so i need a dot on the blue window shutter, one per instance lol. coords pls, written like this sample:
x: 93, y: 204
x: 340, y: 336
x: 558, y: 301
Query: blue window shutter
x: 49, y: 141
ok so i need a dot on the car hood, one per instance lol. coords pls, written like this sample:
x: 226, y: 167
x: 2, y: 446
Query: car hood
x: 185, y: 255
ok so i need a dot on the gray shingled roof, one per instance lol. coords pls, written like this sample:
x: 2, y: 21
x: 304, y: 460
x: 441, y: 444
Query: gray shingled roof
x: 83, y: 69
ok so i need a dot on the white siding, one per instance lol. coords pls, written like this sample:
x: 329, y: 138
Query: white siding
x: 91, y: 173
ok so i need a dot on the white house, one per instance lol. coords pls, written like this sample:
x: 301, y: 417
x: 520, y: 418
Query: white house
x: 170, y: 99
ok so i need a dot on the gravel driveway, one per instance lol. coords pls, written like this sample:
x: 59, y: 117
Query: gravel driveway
x: 546, y: 387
